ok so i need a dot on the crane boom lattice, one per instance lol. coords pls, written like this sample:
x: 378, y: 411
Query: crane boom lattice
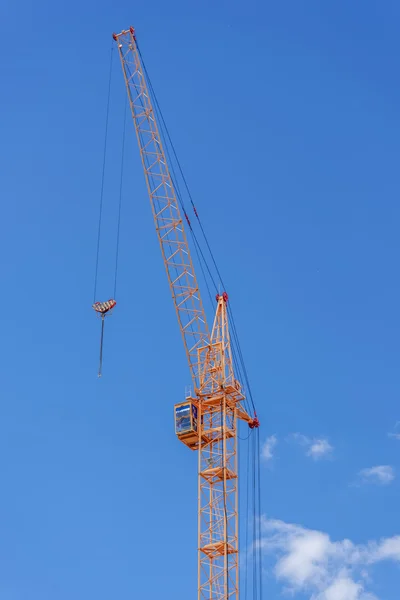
x: 165, y: 207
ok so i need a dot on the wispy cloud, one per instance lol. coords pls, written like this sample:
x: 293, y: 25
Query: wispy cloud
x: 382, y: 475
x: 267, y: 450
x: 309, y: 561
x: 316, y: 448
x: 396, y: 432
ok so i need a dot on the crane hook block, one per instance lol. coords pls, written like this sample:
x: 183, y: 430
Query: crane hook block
x: 104, y: 307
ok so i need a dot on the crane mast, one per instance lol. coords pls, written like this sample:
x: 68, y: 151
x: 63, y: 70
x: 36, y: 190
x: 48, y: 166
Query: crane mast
x: 206, y: 421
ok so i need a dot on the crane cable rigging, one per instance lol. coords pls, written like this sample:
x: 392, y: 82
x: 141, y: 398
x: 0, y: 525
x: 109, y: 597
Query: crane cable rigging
x: 253, y: 550
x: 105, y: 308
x: 167, y: 141
x: 253, y: 496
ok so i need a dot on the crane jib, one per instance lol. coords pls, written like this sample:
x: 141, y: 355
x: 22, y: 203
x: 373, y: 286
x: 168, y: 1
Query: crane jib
x: 165, y: 206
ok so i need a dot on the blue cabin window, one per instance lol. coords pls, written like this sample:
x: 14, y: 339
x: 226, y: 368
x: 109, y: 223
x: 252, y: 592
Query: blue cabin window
x: 183, y: 421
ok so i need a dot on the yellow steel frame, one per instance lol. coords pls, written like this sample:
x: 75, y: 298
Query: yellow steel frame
x: 218, y: 395
x: 220, y: 404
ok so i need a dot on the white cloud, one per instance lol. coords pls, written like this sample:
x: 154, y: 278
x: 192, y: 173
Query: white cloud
x: 320, y: 448
x: 389, y: 549
x: 267, y: 450
x: 316, y: 447
x: 344, y: 588
x: 382, y: 474
x: 309, y: 561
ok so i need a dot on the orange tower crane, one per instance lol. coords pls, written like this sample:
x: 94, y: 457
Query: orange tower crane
x: 206, y: 422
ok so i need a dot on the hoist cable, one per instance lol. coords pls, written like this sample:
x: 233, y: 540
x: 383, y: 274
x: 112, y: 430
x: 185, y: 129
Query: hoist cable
x: 244, y: 439
x: 238, y: 372
x: 163, y: 123
x: 204, y: 260
x: 253, y: 498
x: 102, y: 176
x: 236, y: 338
x: 259, y: 515
x: 253, y: 504
x: 180, y: 167
x: 247, y: 521
x: 101, y: 347
x: 253, y: 547
x: 174, y: 179
x: 120, y: 197
x: 203, y: 272
x: 253, y: 541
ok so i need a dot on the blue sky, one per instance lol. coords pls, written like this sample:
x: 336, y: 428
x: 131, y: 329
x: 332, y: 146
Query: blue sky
x: 286, y: 119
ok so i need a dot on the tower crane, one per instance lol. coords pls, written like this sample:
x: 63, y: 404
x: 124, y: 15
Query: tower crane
x: 207, y: 420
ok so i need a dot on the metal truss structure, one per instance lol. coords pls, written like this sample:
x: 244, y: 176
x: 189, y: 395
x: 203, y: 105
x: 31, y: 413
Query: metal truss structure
x: 218, y: 399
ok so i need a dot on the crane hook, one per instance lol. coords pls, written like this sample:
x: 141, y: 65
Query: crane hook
x: 102, y: 308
